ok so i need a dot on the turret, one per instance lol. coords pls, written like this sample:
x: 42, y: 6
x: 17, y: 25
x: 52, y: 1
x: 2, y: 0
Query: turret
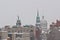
x: 18, y: 23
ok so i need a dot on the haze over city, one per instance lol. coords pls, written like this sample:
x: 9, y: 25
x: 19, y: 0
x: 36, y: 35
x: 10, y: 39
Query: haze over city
x: 27, y: 10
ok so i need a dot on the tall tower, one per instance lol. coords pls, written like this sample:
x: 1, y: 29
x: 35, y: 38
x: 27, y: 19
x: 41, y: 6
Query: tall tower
x: 38, y: 29
x: 18, y: 23
x: 43, y: 24
x: 37, y: 19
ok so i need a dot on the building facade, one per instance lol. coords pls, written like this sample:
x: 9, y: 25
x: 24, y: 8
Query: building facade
x: 43, y: 24
x: 38, y: 27
x: 18, y: 32
x: 41, y: 28
x: 28, y: 32
x: 3, y: 35
x: 54, y: 33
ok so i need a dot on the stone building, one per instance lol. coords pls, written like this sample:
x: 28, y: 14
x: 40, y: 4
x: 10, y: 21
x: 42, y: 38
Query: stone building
x: 28, y: 32
x: 18, y: 32
x: 41, y: 28
x: 43, y: 24
x: 54, y: 33
x: 3, y: 35
x: 38, y: 27
x: 21, y: 33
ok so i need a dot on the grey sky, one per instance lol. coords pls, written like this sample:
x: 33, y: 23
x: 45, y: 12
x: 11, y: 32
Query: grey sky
x: 27, y: 10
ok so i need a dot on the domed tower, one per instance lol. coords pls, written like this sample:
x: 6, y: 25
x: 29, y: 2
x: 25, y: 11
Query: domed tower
x: 18, y: 23
x: 43, y: 24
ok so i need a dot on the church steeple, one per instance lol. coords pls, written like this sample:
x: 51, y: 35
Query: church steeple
x: 37, y: 19
x: 37, y: 13
x: 18, y: 23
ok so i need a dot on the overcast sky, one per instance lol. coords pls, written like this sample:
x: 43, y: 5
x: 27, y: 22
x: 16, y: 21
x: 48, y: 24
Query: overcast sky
x: 27, y: 10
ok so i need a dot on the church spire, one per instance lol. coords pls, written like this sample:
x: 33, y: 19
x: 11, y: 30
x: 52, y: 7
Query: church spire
x: 37, y: 19
x: 37, y: 13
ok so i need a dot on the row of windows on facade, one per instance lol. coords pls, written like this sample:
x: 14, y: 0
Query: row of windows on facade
x: 20, y: 31
x: 19, y: 35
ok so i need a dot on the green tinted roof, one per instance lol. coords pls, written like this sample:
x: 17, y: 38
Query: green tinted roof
x: 26, y: 26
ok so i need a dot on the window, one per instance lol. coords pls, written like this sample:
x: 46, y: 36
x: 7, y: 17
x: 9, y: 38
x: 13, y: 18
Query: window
x: 31, y: 30
x: 19, y: 35
x: 10, y: 35
x: 20, y: 31
x: 8, y: 31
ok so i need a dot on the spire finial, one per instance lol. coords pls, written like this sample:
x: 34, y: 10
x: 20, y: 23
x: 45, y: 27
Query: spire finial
x: 37, y: 12
x: 18, y: 17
